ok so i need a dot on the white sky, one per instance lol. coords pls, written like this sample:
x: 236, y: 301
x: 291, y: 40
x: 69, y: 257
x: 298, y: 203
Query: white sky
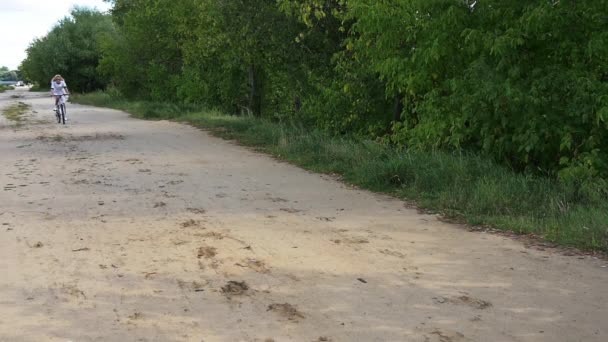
x: 23, y: 20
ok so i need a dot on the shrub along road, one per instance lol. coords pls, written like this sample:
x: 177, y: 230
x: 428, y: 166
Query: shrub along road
x: 119, y: 229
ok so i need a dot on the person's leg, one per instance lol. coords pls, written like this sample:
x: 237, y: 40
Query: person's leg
x: 57, y: 110
x: 63, y: 108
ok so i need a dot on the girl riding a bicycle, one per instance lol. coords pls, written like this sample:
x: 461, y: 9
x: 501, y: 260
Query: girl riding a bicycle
x: 58, y: 88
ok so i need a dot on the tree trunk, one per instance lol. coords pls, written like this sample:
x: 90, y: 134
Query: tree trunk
x: 255, y: 103
x: 297, y: 103
x: 398, y: 108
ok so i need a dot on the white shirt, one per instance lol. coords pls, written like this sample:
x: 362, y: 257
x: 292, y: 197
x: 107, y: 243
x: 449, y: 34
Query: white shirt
x: 58, y: 88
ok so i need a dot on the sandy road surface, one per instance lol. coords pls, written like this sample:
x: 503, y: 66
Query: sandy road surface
x: 115, y: 229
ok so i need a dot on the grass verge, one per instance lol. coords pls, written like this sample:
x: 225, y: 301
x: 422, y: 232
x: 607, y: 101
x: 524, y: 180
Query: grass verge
x: 4, y: 88
x: 464, y: 187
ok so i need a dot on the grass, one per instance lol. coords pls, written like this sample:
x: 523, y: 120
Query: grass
x: 4, y: 88
x: 464, y: 187
x: 16, y: 111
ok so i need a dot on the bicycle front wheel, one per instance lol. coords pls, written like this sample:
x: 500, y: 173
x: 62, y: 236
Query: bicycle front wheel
x: 62, y: 109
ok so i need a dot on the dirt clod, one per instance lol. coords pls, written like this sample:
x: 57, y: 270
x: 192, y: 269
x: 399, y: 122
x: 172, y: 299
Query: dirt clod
x: 197, y: 210
x: 254, y: 264
x: 463, y: 300
x: 474, y: 302
x: 447, y: 337
x: 350, y: 241
x: 213, y: 235
x: 195, y: 286
x: 136, y: 315
x: 189, y: 223
x: 235, y: 288
x: 326, y: 219
x: 286, y: 310
x: 207, y: 252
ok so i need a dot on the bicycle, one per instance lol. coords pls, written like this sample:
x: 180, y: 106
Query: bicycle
x: 60, y: 110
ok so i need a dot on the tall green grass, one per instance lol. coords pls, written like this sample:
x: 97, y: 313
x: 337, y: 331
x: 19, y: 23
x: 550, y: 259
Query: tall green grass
x: 462, y: 186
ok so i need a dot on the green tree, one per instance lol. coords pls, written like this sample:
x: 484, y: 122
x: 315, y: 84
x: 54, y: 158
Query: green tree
x: 255, y: 43
x: 9, y: 75
x: 143, y: 57
x: 71, y: 49
x: 237, y: 55
x: 523, y: 82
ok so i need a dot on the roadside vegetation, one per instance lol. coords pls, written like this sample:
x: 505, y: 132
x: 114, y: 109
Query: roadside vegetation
x: 40, y: 89
x: 493, y: 111
x: 72, y: 49
x: 462, y: 186
x: 15, y: 111
x: 5, y: 87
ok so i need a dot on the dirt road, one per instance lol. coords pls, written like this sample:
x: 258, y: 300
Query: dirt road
x: 116, y: 229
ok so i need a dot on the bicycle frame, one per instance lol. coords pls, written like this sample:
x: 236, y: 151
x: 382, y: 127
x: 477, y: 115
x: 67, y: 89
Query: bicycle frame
x: 60, y: 100
x: 60, y: 110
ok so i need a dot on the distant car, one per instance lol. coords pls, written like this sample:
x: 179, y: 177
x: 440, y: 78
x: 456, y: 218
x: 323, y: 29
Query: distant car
x: 19, y: 84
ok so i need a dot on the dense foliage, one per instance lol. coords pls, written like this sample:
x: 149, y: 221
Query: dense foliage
x: 71, y: 49
x: 524, y: 82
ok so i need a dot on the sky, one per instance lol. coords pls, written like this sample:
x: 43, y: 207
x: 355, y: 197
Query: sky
x: 24, y: 20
